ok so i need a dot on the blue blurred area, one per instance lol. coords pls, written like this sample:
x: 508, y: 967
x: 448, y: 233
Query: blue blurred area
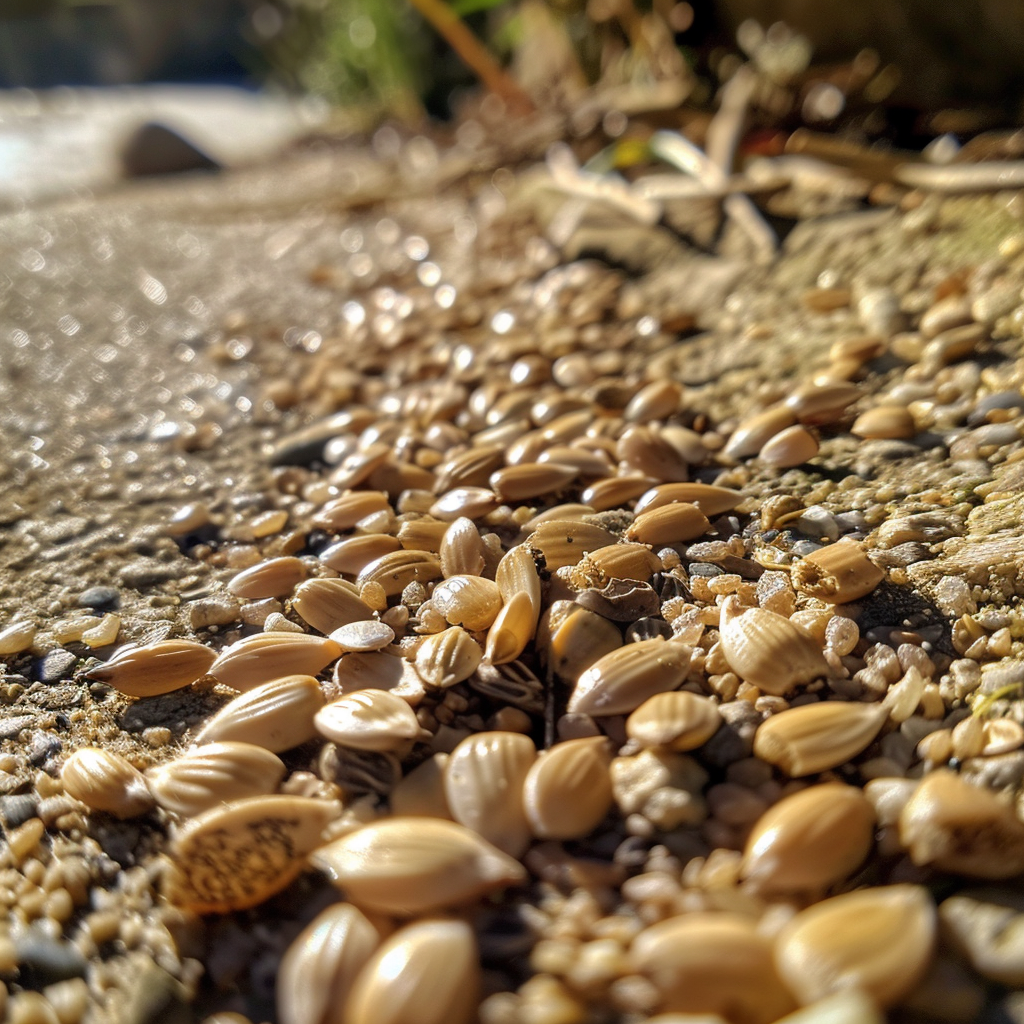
x: 46, y: 43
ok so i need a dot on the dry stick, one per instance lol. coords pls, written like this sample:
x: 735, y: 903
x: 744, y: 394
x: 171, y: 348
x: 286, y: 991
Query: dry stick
x: 473, y: 54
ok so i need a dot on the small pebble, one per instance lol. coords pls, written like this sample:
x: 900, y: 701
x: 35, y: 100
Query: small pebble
x: 101, y: 598
x: 55, y: 666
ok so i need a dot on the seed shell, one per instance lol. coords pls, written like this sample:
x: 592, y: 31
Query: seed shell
x: 266, y: 656
x: 327, y: 604
x: 679, y: 721
x: 461, y: 550
x: 566, y: 541
x: 837, y: 573
x: 711, y: 500
x: 352, y: 555
x: 472, y: 602
x: 368, y: 720
x: 568, y: 790
x: 156, y: 668
x: 365, y: 635
x: 395, y: 571
x: 105, y: 781
x: 447, y: 658
x: 669, y: 524
x: 273, y: 578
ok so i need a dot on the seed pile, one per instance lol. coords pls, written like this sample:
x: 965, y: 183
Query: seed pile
x: 585, y: 715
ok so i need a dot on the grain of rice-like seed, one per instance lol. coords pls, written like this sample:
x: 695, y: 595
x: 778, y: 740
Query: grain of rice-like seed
x: 768, y: 650
x: 585, y: 463
x: 670, y: 524
x: 447, y: 658
x: 483, y: 784
x: 395, y: 571
x: 356, y: 468
x: 423, y: 534
x: 530, y: 480
x: 105, y: 781
x: 711, y: 500
x: 408, y: 866
x: 327, y: 604
x: 572, y: 511
x: 471, y: 502
x: 266, y: 656
x: 277, y: 715
x: 678, y: 721
x: 17, y: 637
x: 642, y: 449
x: 790, y: 447
x: 885, y: 421
x: 568, y: 789
x: 343, y: 513
x: 421, y: 793
x: 321, y: 965
x: 104, y: 632
x: 352, y: 555
x: 468, y: 601
x: 513, y: 628
x: 565, y: 541
x: 156, y: 668
x: 469, y: 468
x: 374, y: 720
x: 212, y: 774
x: 655, y: 401
x: 367, y: 635
x: 838, y: 573
x: 815, y: 737
x: 571, y: 638
x: 1001, y: 736
x: 754, y: 432
x: 810, y: 840
x: 954, y: 826
x: 626, y: 561
x: 820, y: 404
x: 237, y: 855
x: 879, y: 940
x: 712, y: 963
x: 273, y: 578
x: 616, y: 491
x: 426, y: 973
x: 378, y: 670
x: 621, y: 681
x: 461, y: 549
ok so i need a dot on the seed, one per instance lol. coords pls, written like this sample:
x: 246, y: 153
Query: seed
x: 616, y: 491
x: 366, y: 635
x: 276, y: 716
x: 815, y: 737
x: 188, y: 519
x: 838, y: 573
x: 790, y: 447
x: 156, y: 668
x: 423, y: 534
x: 892, y: 421
x: 564, y: 541
x: 820, y: 404
x: 212, y: 774
x: 462, y: 551
x: 810, y: 840
x: 878, y: 940
x: 468, y: 601
x: 678, y: 720
x: 712, y: 963
x: 517, y: 574
x: 957, y: 827
x: 986, y: 928
x: 1002, y: 735
x: 368, y: 720
x: 530, y: 480
x: 621, y: 681
x: 471, y: 502
x: 669, y: 524
x: 571, y: 638
x: 272, y: 578
x: 343, y: 513
x: 657, y: 401
x: 321, y: 965
x: 447, y: 658
x: 573, y: 511
x: 755, y: 431
x: 353, y: 554
x: 258, y: 659
x: 408, y: 866
x: 105, y: 781
x: 568, y: 789
x: 104, y: 632
x: 711, y: 500
x: 768, y: 650
x: 483, y: 784
x: 426, y: 973
x: 237, y: 855
x: 509, y: 683
x: 583, y: 462
x: 643, y: 450
x: 468, y: 468
x: 421, y: 793
x: 17, y: 637
x: 395, y: 571
x: 626, y: 562
x: 378, y: 670
x: 327, y: 604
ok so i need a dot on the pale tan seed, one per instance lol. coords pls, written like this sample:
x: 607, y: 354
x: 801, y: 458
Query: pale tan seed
x: 368, y: 720
x: 266, y: 656
x: 423, y: 534
x: 790, y: 447
x: 1001, y: 736
x: 266, y: 524
x: 212, y: 774
x: 526, y: 449
x: 815, y: 737
x: 156, y: 668
x: 670, y: 524
x: 838, y: 573
x: 367, y: 635
x: 471, y: 502
x: 343, y: 513
x: 530, y: 480
x: 885, y: 421
x: 352, y: 555
x: 472, y: 602
x: 810, y: 840
x: 679, y: 721
x: 395, y: 571
x: 711, y: 500
x: 616, y: 491
x: 712, y: 963
x: 379, y: 670
x: 321, y: 965
x: 407, y: 866
x: 71, y: 630
x: 356, y: 468
x: 585, y: 463
x: 861, y: 347
x: 986, y: 928
x: 820, y: 404
x: 848, y: 1006
x: 565, y: 541
x: 621, y: 681
x: 570, y: 638
x: 568, y: 790
x: 277, y: 715
x: 447, y: 658
x: 879, y: 940
x: 461, y: 549
x: 237, y: 855
x: 655, y: 401
x: 426, y: 973
x: 573, y: 511
x: 469, y: 468
x: 273, y: 578
x: 105, y: 781
x: 955, y: 826
x: 625, y: 561
x: 17, y: 637
x: 327, y: 604
x: 483, y: 784
x: 421, y: 793
x: 755, y: 431
x: 104, y: 632
x: 642, y: 449
x: 188, y: 519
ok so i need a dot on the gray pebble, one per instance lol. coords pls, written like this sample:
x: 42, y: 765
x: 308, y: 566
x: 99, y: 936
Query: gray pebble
x: 146, y: 572
x: 55, y: 666
x: 10, y: 727
x: 705, y: 569
x: 1000, y: 400
x: 42, y: 746
x: 17, y: 808
x: 818, y: 523
x: 99, y: 597
x: 802, y: 548
x: 735, y: 739
x: 219, y: 610
x: 44, y: 961
x: 1000, y: 772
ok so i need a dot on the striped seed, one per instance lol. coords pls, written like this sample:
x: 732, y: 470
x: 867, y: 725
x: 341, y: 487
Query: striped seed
x: 374, y: 720
x: 568, y: 789
x: 266, y: 656
x: 156, y: 668
x: 273, y: 578
x: 105, y: 781
x: 327, y: 604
